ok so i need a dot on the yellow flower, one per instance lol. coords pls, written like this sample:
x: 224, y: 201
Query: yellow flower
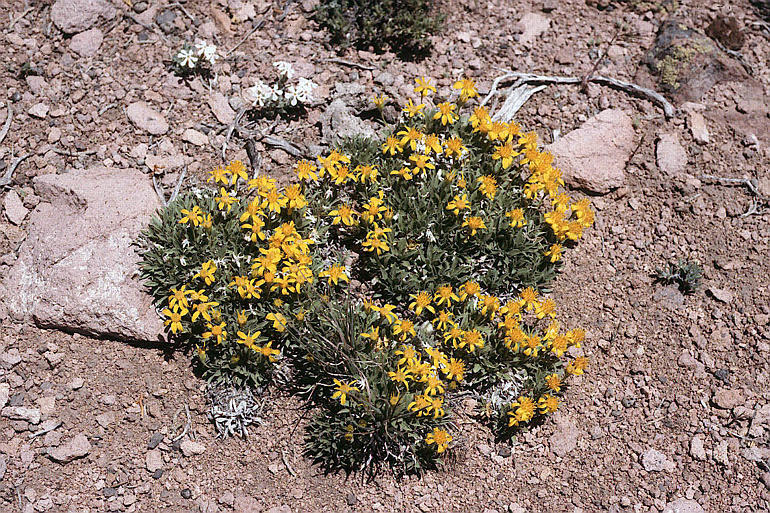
x: 529, y: 296
x: 455, y: 369
x: 469, y: 289
x: 433, y: 143
x: 202, y: 308
x: 459, y: 203
x: 407, y: 353
x: 488, y: 186
x: 505, y: 153
x: 373, y: 243
x: 521, y: 410
x: 446, y: 113
x: 274, y: 201
x: 343, y: 214
x: 225, y: 199
x: 410, y: 135
x: 454, y: 335
x: 219, y: 175
x: 242, y: 317
x: 413, y: 109
x: 577, y: 366
x: 440, y: 438
x: 248, y: 339
x: 479, y: 114
x: 267, y: 351
x: 445, y: 294
x: 433, y: 385
x: 548, y: 403
x: 367, y: 173
x: 424, y: 87
x: 379, y: 101
x: 387, y: 312
x: 554, y: 252
x: 474, y: 223
x: 279, y: 321
x: 454, y: 147
x: 420, y: 405
x: 238, y: 170
x: 404, y: 173
x: 178, y: 298
x: 443, y: 319
x: 517, y: 217
x: 215, y: 330
x: 207, y: 272
x: 193, y: 216
x: 392, y: 145
x: 553, y: 382
x: 421, y: 163
x: 421, y: 302
x: 400, y: 375
x: 404, y: 328
x: 467, y: 88
x: 472, y: 339
x: 175, y: 319
x: 342, y: 391
x: 306, y: 170
x: 335, y: 273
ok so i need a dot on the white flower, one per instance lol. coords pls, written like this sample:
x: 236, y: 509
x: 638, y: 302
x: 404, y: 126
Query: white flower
x: 207, y: 51
x: 284, y: 68
x: 304, y: 90
x: 187, y: 58
x: 275, y: 93
x: 260, y: 93
x: 292, y: 97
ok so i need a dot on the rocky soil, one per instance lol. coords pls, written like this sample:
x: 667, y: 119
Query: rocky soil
x: 99, y: 413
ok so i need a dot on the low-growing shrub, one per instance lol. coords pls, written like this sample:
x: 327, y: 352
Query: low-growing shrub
x: 446, y: 198
x: 401, y: 25
x: 684, y: 273
x: 394, y: 278
x: 221, y: 265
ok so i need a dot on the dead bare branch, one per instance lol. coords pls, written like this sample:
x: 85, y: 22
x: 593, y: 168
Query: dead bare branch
x: 519, y: 79
x: 7, y: 124
x: 351, y: 64
x: 287, y: 146
x: 8, y: 176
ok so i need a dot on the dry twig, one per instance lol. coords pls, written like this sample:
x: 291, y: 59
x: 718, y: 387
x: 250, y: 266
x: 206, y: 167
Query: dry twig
x: 7, y: 124
x: 287, y: 146
x: 7, y: 177
x: 256, y: 27
x: 21, y: 16
x: 350, y: 63
x: 519, y: 79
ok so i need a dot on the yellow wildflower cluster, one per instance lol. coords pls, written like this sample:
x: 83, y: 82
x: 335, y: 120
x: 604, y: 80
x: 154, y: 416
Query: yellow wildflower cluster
x: 427, y: 365
x: 226, y: 299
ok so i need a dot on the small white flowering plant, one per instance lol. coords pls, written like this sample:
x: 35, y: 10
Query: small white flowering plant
x: 196, y: 58
x: 285, y: 94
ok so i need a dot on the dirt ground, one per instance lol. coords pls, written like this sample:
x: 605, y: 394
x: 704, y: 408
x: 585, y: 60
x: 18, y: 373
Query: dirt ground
x: 667, y: 371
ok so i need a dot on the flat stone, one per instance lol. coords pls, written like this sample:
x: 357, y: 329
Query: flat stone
x: 722, y: 295
x: 655, y: 461
x: 38, y: 110
x: 565, y: 437
x: 221, y: 109
x: 73, y: 16
x: 5, y: 393
x: 76, y: 269
x: 31, y: 415
x: 339, y: 122
x: 153, y: 461
x: 14, y: 208
x: 671, y: 157
x: 87, y: 43
x: 190, y: 448
x: 146, y: 118
x: 719, y: 453
x: 77, y: 447
x: 594, y: 156
x: 245, y: 504
x: 727, y: 399
x: 105, y: 419
x: 531, y: 26
x: 683, y: 505
x: 697, y: 450
x: 698, y: 128
x: 195, y: 137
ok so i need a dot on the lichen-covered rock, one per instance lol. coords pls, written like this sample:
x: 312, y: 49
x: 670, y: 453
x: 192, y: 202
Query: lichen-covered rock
x: 77, y: 269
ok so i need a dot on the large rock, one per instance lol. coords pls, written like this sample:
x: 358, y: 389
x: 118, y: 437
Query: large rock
x: 73, y: 16
x: 338, y: 122
x: 147, y: 118
x: 77, y: 447
x: 87, y: 43
x: 531, y: 25
x: 683, y: 506
x: 670, y: 155
x: 594, y: 156
x: 77, y: 268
